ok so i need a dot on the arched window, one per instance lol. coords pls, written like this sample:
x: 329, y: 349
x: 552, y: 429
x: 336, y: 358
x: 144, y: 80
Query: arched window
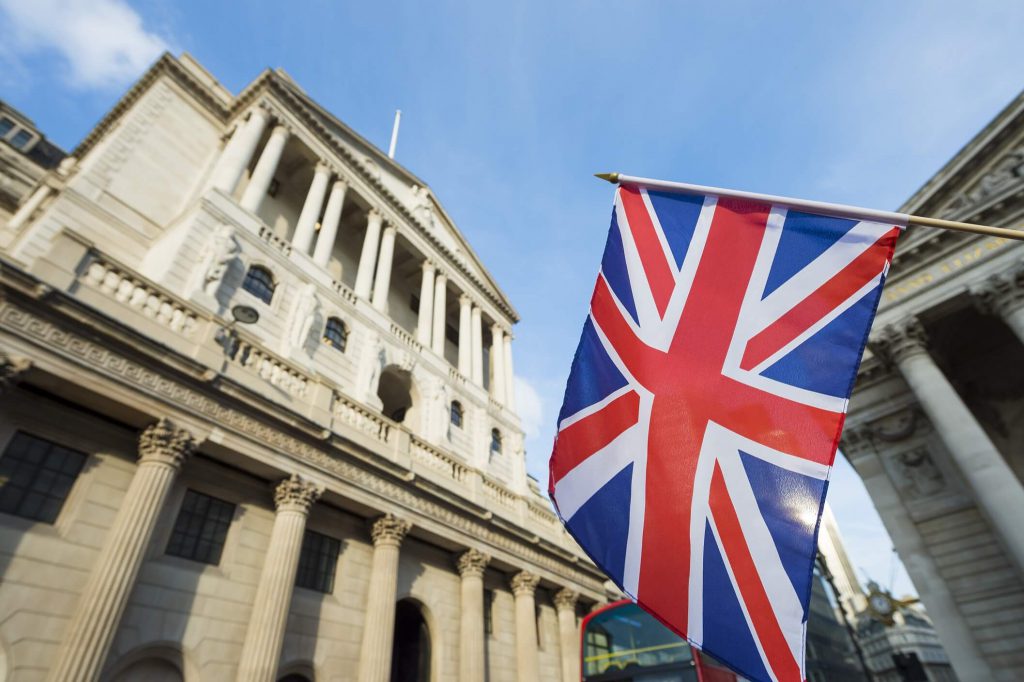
x: 495, y: 441
x: 336, y: 334
x: 457, y: 413
x: 260, y: 283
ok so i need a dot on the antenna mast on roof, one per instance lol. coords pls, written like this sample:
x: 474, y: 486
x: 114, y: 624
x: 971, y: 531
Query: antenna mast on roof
x: 394, y: 134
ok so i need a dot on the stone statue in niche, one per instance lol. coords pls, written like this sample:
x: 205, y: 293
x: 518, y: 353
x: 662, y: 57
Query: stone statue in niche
x: 922, y: 478
x: 304, y: 314
x: 220, y: 251
x: 377, y: 358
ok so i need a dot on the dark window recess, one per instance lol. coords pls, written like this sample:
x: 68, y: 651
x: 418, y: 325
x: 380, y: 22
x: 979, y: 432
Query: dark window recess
x: 201, y: 528
x: 496, y: 441
x: 488, y: 612
x: 5, y: 126
x: 414, y: 303
x: 457, y: 413
x: 452, y: 334
x: 260, y: 283
x: 317, y: 562
x: 36, y: 477
x: 336, y: 334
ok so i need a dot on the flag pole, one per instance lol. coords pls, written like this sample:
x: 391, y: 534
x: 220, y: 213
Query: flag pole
x: 821, y: 207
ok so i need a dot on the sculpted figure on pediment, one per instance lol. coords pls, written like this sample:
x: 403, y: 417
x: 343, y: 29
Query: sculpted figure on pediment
x: 220, y: 251
x: 921, y: 478
x: 423, y: 207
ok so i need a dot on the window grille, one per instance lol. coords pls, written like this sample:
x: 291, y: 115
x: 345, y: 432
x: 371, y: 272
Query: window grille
x: 260, y: 283
x: 201, y: 528
x: 36, y: 477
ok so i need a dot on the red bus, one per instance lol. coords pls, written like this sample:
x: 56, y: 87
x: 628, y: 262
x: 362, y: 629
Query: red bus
x: 623, y: 643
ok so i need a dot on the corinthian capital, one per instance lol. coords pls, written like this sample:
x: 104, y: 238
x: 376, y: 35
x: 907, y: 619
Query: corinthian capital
x: 565, y: 599
x: 296, y: 494
x: 472, y: 563
x: 897, y: 342
x: 165, y: 443
x: 1002, y: 293
x: 524, y: 583
x: 389, y: 530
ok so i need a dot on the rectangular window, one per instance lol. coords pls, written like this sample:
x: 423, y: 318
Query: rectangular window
x: 317, y: 562
x: 36, y: 477
x: 21, y: 138
x: 5, y: 126
x: 201, y: 528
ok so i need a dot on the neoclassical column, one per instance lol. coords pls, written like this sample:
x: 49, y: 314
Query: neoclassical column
x: 368, y: 256
x: 497, y: 357
x: 306, y: 225
x: 472, y: 564
x: 261, y: 651
x: 1003, y: 295
x: 329, y: 227
x: 382, y: 282
x: 163, y: 449
x: 996, y: 489
x: 478, y: 347
x: 510, y: 377
x: 30, y: 206
x: 262, y: 175
x: 465, y: 336
x: 568, y: 637
x: 238, y: 151
x: 425, y: 321
x: 956, y: 635
x: 528, y: 664
x: 379, y: 625
x: 440, y: 312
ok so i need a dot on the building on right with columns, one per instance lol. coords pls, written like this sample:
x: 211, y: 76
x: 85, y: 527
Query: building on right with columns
x: 934, y: 426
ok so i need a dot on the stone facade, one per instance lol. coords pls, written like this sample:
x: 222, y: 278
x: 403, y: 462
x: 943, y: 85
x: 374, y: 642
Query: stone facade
x: 934, y: 427
x: 315, y: 493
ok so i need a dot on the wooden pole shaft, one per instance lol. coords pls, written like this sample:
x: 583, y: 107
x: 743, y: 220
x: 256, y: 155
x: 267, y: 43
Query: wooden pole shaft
x: 924, y: 221
x: 820, y: 207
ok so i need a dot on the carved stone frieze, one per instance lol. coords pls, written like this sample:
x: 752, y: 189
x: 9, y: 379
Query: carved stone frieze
x: 101, y: 359
x: 896, y: 427
x: 524, y: 583
x: 895, y: 343
x: 1007, y: 172
x: 919, y: 477
x: 389, y: 530
x: 472, y: 563
x: 165, y: 443
x: 296, y: 494
x: 1003, y: 292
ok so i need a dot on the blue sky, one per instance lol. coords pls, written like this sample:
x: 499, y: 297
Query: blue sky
x: 509, y: 107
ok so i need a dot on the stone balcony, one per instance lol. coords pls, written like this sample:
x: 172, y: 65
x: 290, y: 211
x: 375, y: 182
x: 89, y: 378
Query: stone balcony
x: 241, y: 363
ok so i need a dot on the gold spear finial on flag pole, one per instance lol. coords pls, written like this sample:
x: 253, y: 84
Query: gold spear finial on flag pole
x: 822, y: 207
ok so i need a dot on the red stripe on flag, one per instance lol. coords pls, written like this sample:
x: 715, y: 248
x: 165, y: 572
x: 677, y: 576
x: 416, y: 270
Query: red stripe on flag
x: 688, y: 393
x: 823, y: 300
x: 580, y: 440
x: 660, y: 274
x: 758, y: 606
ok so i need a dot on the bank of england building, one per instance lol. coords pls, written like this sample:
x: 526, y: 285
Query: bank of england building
x: 258, y: 413
x: 935, y: 428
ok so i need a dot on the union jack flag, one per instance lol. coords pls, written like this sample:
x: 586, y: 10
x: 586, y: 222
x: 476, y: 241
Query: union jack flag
x: 704, y: 407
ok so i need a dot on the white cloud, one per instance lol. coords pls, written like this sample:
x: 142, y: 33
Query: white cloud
x: 530, y: 406
x: 102, y: 43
